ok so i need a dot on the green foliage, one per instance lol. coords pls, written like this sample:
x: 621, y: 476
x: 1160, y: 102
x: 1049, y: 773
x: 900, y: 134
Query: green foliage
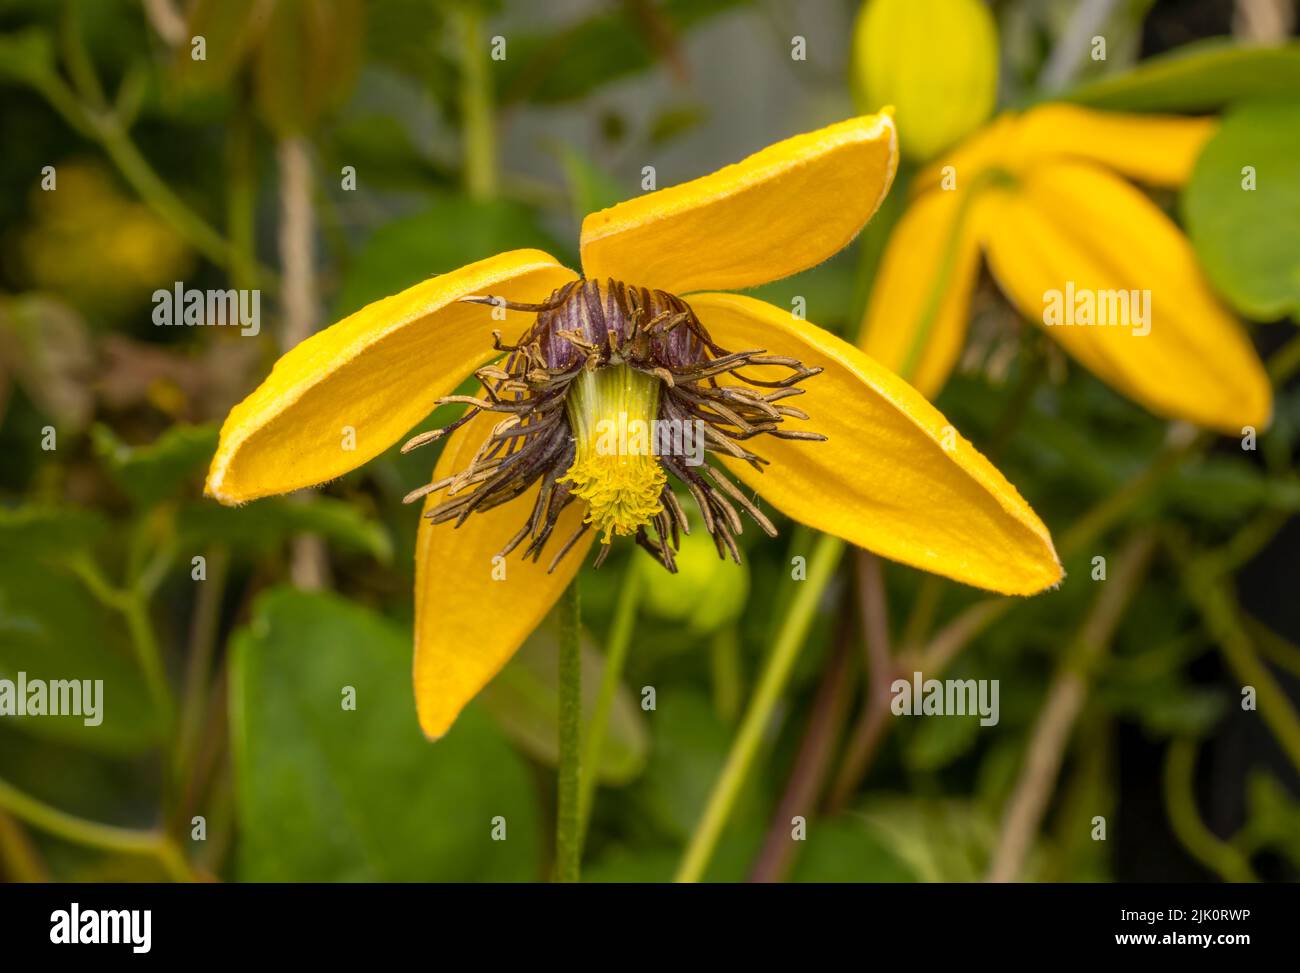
x: 52, y: 629
x: 705, y: 594
x: 1198, y: 77
x: 523, y: 699
x: 453, y: 231
x: 1242, y: 207
x: 317, y: 783
x: 261, y: 526
x: 569, y: 64
x: 38, y: 532
x: 157, y: 472
x: 848, y: 850
x: 27, y: 55
x: 97, y: 535
x: 687, y: 752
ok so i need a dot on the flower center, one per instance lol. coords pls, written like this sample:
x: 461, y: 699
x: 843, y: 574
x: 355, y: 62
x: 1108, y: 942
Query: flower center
x: 613, y: 389
x: 613, y: 413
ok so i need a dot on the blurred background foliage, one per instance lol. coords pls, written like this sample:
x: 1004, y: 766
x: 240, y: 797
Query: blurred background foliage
x: 223, y: 679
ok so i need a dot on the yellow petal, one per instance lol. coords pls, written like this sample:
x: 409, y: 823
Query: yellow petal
x: 893, y: 476
x: 467, y: 623
x: 1156, y: 149
x: 782, y: 210
x: 376, y: 373
x: 1159, y: 150
x: 916, y: 319
x: 1073, y: 227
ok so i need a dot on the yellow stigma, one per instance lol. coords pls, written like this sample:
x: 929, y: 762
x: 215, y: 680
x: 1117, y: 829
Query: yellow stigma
x: 611, y: 412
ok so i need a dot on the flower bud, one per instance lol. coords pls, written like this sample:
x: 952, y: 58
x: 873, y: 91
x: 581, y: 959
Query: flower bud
x: 936, y: 62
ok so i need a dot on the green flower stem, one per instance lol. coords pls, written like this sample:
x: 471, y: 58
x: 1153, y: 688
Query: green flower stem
x: 724, y: 667
x: 1064, y: 703
x: 1285, y: 361
x: 776, y: 673
x: 133, y: 606
x: 568, y: 836
x: 203, y: 641
x: 478, y: 136
x: 1180, y: 803
x: 1211, y: 595
x: 620, y: 638
x: 136, y: 612
x: 93, y: 834
x: 241, y: 200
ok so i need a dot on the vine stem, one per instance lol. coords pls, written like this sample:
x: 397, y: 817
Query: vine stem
x: 479, y: 139
x: 620, y: 638
x: 568, y: 824
x: 108, y: 837
x: 1180, y: 803
x: 1065, y: 701
x: 776, y: 673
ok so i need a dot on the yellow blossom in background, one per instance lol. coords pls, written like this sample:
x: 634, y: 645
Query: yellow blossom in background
x: 97, y: 245
x: 1045, y: 197
x: 935, y: 61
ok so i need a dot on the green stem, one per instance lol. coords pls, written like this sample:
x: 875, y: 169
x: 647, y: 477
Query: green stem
x: 93, y: 834
x: 151, y: 188
x: 1180, y: 803
x: 1285, y: 361
x: 103, y: 126
x: 1221, y: 614
x: 147, y: 654
x: 241, y: 201
x: 132, y: 605
x: 776, y: 673
x: 478, y: 136
x: 568, y: 839
x: 198, y: 672
x: 620, y: 638
x: 724, y: 666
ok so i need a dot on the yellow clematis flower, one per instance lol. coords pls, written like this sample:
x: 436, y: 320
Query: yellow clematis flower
x: 1040, y: 194
x: 866, y: 458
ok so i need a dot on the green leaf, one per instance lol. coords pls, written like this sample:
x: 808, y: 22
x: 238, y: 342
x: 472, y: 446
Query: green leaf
x: 591, y: 187
x: 673, y: 122
x: 1246, y: 237
x: 1197, y: 77
x: 524, y: 702
x: 27, y: 55
x: 52, y: 629
x: 938, y: 742
x: 32, y: 532
x: 848, y: 851
x: 228, y: 29
x: 1226, y: 489
x: 689, y: 749
x: 731, y: 861
x: 937, y: 840
x: 558, y: 66
x: 307, y: 59
x: 451, y: 233
x: 153, y: 473
x: 260, y: 526
x: 327, y: 793
x: 1274, y: 815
